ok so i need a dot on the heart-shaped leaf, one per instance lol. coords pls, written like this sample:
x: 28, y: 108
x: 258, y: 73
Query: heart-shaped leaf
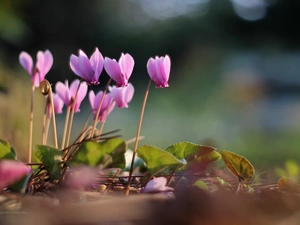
x: 51, y: 158
x: 157, y: 159
x: 5, y: 152
x: 238, y: 165
x: 93, y: 153
x: 9, y: 146
x: 189, y: 151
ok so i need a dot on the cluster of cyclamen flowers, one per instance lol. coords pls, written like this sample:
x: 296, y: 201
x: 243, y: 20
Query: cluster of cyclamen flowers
x: 89, y: 70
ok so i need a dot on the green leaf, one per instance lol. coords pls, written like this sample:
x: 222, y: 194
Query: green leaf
x: 201, y: 184
x: 51, y: 158
x: 194, y: 154
x: 20, y: 185
x: 93, y: 153
x: 157, y: 159
x: 9, y: 146
x: 5, y: 152
x: 189, y: 151
x: 116, y: 148
x: 238, y: 165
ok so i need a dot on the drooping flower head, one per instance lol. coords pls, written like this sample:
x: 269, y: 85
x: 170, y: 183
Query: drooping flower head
x: 58, y: 104
x: 88, y: 69
x: 122, y: 95
x: 159, y: 70
x: 107, y: 105
x: 11, y: 171
x: 120, y: 71
x: 43, y: 65
x: 68, y: 94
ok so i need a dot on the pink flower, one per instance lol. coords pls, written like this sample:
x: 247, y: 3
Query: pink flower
x: 159, y: 70
x: 68, y: 94
x: 157, y: 184
x: 88, y: 69
x: 122, y: 95
x: 58, y: 104
x: 120, y: 71
x: 107, y: 105
x: 42, y: 66
x: 81, y: 177
x: 11, y: 171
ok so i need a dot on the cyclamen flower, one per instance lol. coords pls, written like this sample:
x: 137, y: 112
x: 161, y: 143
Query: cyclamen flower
x: 58, y: 105
x: 88, y: 69
x: 122, y: 95
x: 120, y: 71
x: 159, y: 70
x: 157, y: 184
x: 68, y: 94
x: 107, y: 105
x: 11, y: 171
x: 43, y: 65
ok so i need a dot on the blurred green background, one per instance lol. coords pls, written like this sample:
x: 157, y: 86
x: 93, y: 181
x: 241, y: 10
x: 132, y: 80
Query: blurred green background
x: 234, y: 83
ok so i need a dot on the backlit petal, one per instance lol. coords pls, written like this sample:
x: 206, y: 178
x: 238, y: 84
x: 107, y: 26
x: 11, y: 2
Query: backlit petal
x: 113, y: 70
x: 26, y: 62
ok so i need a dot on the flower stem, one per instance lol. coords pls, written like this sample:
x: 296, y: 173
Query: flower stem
x: 137, y: 136
x: 44, y: 123
x: 53, y: 117
x: 103, y: 123
x: 31, y: 124
x: 99, y: 107
x: 65, y: 128
x: 72, y: 115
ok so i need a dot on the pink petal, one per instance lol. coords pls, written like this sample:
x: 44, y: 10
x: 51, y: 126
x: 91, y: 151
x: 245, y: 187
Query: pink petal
x: 74, y: 64
x: 126, y: 63
x: 81, y: 93
x: 92, y: 99
x: 160, y: 71
x: 129, y: 93
x: 48, y: 61
x: 11, y: 171
x: 113, y: 70
x: 35, y: 80
x: 167, y: 65
x: 63, y: 92
x: 85, y: 67
x: 152, y: 70
x: 26, y: 62
x: 97, y: 63
x: 58, y: 103
x: 157, y: 184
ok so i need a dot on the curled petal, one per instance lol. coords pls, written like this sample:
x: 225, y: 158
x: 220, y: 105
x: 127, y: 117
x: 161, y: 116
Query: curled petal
x: 159, y: 70
x: 122, y: 95
x: 74, y: 64
x: 81, y: 93
x: 97, y: 63
x: 112, y: 68
x: 92, y: 99
x: 44, y: 63
x: 48, y: 61
x: 151, y: 68
x: 26, y: 62
x: 58, y: 103
x: 62, y: 90
x: 126, y: 63
x: 85, y: 67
